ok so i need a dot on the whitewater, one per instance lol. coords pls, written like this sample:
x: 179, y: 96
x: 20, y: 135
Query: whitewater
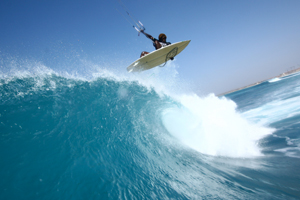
x: 108, y: 135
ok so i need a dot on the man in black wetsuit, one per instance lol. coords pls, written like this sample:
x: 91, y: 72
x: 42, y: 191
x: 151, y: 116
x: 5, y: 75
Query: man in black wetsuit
x: 161, y: 42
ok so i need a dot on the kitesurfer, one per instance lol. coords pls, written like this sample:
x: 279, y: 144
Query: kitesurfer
x: 161, y: 42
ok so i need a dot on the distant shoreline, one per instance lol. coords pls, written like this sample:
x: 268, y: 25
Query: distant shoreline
x: 257, y: 83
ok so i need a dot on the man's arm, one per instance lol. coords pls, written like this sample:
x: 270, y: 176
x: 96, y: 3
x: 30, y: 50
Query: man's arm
x: 156, y: 43
x: 148, y: 36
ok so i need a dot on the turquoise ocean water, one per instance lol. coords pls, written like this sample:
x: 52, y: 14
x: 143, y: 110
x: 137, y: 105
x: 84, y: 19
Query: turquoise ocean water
x: 63, y: 137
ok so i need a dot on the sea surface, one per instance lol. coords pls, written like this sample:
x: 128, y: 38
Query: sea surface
x: 111, y: 137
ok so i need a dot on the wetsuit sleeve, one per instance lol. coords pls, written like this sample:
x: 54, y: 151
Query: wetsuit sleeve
x: 154, y: 39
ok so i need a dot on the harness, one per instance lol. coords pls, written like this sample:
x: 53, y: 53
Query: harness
x: 161, y: 43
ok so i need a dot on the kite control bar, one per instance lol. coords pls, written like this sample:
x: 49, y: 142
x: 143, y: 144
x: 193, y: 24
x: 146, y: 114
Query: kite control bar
x: 140, y: 29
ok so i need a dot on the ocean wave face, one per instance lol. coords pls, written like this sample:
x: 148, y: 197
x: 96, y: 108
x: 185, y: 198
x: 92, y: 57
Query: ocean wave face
x: 121, y: 137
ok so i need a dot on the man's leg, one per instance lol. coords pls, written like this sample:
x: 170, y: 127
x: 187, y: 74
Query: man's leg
x: 144, y: 53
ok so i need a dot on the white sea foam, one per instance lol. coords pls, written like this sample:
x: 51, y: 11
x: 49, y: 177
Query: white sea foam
x: 290, y: 151
x: 274, y: 111
x: 212, y: 126
x: 164, y: 81
x: 274, y: 80
x: 294, y: 147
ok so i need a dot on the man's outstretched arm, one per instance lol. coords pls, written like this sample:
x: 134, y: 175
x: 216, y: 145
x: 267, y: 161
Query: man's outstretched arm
x: 147, y: 35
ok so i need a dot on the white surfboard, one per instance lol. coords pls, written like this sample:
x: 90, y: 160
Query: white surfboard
x: 157, y: 57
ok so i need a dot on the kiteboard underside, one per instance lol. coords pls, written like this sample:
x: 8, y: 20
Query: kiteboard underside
x: 157, y: 57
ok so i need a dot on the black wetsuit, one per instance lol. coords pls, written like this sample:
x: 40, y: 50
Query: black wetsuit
x: 161, y: 43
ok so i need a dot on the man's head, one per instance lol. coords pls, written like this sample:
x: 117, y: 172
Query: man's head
x: 162, y: 37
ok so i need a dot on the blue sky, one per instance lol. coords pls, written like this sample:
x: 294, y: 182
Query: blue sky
x: 233, y: 42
